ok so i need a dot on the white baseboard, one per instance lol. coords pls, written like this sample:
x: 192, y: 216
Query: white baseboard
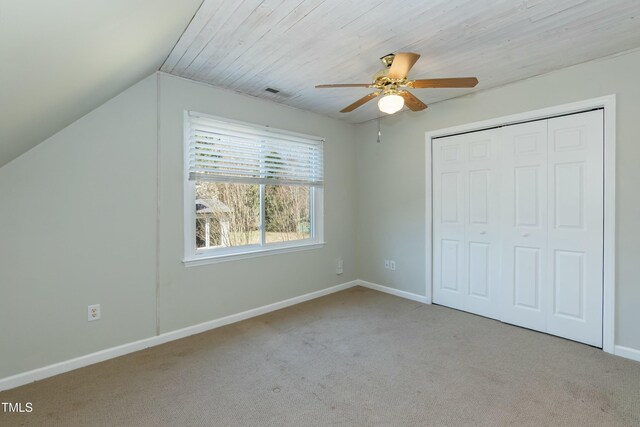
x: 110, y: 353
x: 627, y: 352
x: 394, y: 291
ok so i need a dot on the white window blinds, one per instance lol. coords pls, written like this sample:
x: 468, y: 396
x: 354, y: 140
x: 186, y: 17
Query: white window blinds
x: 224, y: 151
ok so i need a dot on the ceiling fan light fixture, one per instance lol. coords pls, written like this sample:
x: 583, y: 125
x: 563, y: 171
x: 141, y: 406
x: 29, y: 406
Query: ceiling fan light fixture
x: 390, y: 84
x: 391, y: 103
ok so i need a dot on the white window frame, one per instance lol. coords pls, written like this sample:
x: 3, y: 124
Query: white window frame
x: 195, y: 257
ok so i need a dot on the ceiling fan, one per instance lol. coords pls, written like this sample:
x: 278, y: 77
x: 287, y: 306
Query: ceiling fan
x: 390, y: 81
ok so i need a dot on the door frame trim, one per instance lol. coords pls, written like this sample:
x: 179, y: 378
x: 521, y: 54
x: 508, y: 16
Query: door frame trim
x: 608, y: 103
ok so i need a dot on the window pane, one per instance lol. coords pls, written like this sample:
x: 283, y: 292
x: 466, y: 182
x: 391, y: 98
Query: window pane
x: 287, y: 213
x: 227, y: 214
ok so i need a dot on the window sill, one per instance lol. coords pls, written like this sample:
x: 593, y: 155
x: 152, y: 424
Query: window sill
x: 212, y: 259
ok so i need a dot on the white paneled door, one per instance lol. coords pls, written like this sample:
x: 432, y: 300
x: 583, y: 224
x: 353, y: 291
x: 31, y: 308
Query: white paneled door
x: 524, y: 224
x: 575, y: 194
x: 465, y: 181
x: 518, y: 224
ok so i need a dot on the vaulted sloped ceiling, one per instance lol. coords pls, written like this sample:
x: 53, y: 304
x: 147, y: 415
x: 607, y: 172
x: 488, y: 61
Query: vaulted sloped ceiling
x: 293, y: 45
x: 59, y: 59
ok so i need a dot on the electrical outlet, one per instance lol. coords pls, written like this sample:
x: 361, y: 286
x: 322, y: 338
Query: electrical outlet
x: 392, y: 265
x: 339, y: 266
x: 93, y: 312
x: 386, y: 263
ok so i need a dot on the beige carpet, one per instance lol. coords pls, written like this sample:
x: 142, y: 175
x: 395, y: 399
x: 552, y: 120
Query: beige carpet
x: 355, y: 358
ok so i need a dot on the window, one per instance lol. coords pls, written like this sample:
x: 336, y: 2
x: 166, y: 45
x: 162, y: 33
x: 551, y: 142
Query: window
x: 249, y: 189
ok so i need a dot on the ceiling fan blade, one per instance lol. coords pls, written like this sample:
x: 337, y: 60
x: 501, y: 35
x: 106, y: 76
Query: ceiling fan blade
x: 360, y: 102
x: 411, y: 101
x: 402, y: 63
x: 344, y: 85
x: 459, y: 82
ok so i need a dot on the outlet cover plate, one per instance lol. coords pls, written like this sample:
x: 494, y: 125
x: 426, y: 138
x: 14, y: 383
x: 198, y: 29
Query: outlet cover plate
x: 93, y: 312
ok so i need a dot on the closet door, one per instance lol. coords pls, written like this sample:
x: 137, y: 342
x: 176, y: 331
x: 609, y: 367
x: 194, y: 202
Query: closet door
x: 466, y: 222
x: 518, y: 224
x: 449, y: 171
x: 524, y: 224
x: 575, y: 237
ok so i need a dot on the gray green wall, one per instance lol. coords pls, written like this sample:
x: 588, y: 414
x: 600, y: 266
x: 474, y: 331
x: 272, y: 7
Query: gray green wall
x: 78, y: 226
x: 79, y: 212
x: 196, y: 294
x: 391, y: 175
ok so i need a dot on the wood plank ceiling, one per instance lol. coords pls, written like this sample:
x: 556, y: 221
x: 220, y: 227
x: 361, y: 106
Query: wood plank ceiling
x: 292, y: 45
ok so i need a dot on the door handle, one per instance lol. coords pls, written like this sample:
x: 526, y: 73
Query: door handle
x: 483, y: 232
x: 525, y: 234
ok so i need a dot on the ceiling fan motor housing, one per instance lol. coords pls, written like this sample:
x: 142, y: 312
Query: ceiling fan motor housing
x: 387, y: 60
